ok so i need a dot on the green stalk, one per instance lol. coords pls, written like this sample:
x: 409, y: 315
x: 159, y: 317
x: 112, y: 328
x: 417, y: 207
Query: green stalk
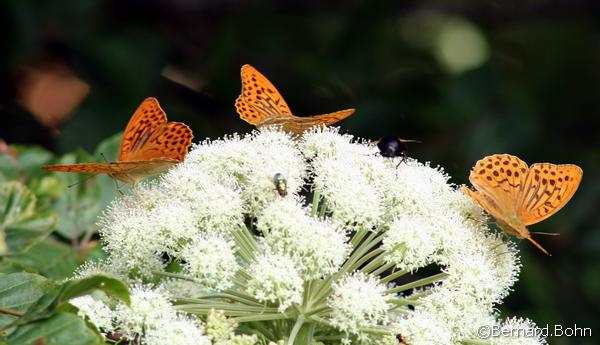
x: 239, y: 283
x: 418, y: 283
x: 250, y: 240
x: 261, y: 317
x: 323, y: 209
x: 364, y: 247
x: 295, y: 330
x: 245, y: 252
x: 325, y: 288
x: 241, y: 295
x: 366, y: 258
x: 392, y: 276
x: 227, y: 307
x: 383, y: 268
x: 317, y: 310
x: 305, y: 336
x: 315, y: 203
x: 358, y: 236
x: 221, y: 295
x: 402, y: 301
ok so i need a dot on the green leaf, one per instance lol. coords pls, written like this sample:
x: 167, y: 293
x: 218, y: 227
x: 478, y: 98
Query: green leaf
x: 43, y: 308
x: 19, y: 291
x: 109, y: 285
x: 109, y: 148
x: 57, y: 299
x: 7, y: 266
x: 20, y: 225
x: 79, y: 204
x: 60, y: 329
x: 25, y: 161
x: 49, y: 258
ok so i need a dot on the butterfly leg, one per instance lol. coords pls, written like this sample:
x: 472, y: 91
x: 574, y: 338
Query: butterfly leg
x: 117, y: 188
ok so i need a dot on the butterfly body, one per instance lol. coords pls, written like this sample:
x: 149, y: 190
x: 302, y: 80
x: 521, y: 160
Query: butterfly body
x: 150, y: 146
x: 260, y: 104
x: 518, y: 195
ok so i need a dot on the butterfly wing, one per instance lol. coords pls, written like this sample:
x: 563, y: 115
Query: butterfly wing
x: 548, y: 187
x: 297, y: 124
x: 147, y: 119
x: 500, y: 178
x: 259, y: 98
x: 83, y: 168
x: 484, y: 202
x: 149, y: 136
x: 126, y: 171
x: 331, y: 118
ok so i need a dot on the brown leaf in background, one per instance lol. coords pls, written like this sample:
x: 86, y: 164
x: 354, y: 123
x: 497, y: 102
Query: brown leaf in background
x: 51, y: 92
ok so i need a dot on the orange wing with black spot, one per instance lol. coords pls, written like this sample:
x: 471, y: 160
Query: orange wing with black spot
x: 500, y: 177
x: 260, y: 104
x: 259, y: 98
x: 547, y: 189
x: 150, y: 145
x: 518, y: 195
x: 148, y: 135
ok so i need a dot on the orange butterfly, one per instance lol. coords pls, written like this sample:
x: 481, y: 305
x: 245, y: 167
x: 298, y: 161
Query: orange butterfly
x: 518, y: 195
x: 150, y: 145
x: 260, y: 104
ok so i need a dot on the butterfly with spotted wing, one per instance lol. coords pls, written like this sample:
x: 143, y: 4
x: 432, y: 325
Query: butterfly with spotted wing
x: 518, y: 195
x: 150, y: 145
x: 260, y: 104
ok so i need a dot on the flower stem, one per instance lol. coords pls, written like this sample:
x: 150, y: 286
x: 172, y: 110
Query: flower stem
x: 366, y: 258
x: 393, y: 276
x: 260, y: 317
x: 295, y: 330
x: 323, y: 209
x: 418, y: 283
x: 383, y: 268
x: 305, y: 336
x: 10, y: 312
x: 315, y: 203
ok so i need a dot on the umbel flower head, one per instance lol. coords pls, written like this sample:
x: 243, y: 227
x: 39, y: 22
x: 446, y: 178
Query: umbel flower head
x: 356, y: 250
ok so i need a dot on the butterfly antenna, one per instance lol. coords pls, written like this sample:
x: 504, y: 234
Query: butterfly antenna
x: 538, y: 246
x: 545, y: 233
x: 103, y: 157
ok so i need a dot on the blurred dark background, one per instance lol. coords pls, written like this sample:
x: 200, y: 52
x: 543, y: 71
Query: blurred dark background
x: 468, y: 78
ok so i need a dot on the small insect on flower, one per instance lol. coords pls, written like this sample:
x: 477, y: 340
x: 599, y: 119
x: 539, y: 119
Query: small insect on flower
x: 280, y: 184
x: 392, y: 146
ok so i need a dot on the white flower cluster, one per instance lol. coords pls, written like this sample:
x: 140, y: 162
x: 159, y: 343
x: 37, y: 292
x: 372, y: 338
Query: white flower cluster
x: 150, y: 318
x: 274, y: 278
x: 358, y: 301
x: 352, y: 261
x: 316, y: 246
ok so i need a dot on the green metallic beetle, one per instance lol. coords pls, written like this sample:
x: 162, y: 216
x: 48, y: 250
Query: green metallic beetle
x: 280, y: 184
